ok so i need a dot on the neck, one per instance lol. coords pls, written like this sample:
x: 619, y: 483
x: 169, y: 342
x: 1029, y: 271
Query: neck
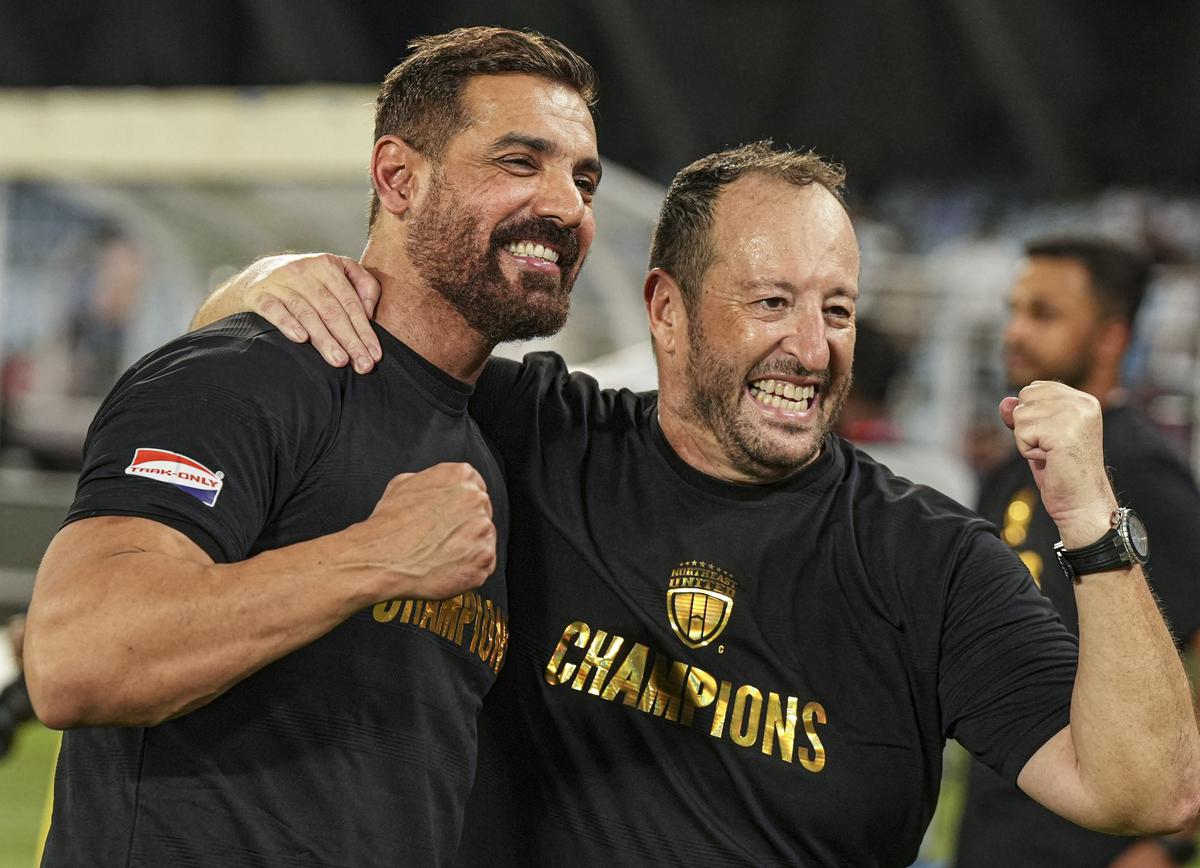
x: 1104, y: 386
x: 414, y: 313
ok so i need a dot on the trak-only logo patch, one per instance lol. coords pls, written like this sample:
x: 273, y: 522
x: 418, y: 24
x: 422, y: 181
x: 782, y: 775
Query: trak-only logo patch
x: 184, y: 473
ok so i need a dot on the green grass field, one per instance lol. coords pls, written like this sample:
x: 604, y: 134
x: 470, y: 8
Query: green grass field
x: 24, y: 781
x: 25, y: 778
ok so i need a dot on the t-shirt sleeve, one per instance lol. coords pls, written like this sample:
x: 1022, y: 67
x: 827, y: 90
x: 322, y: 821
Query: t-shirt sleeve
x: 1007, y: 662
x: 207, y: 436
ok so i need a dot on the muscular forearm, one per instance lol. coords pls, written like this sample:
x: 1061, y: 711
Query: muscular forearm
x: 1130, y: 759
x: 132, y: 623
x: 137, y: 637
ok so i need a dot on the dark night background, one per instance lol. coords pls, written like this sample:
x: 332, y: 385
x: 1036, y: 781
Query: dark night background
x: 1056, y: 97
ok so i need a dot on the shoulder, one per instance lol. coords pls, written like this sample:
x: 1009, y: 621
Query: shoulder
x: 879, y: 491
x: 541, y: 384
x: 241, y: 357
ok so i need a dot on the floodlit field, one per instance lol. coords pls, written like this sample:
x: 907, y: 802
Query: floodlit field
x: 24, y: 780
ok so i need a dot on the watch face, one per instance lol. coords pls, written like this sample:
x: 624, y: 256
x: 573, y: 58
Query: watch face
x: 1138, y: 538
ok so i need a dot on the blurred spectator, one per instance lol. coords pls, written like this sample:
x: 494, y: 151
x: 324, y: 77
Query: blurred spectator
x: 52, y: 391
x: 868, y: 420
x: 1071, y: 317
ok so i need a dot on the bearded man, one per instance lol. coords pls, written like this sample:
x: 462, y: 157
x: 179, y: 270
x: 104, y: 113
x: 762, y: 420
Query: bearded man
x: 736, y: 640
x: 208, y: 623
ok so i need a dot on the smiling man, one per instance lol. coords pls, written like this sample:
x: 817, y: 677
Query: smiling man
x: 736, y: 640
x: 242, y: 623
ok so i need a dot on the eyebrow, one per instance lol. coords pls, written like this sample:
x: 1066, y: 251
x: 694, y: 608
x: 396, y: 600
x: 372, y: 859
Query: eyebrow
x: 780, y: 283
x: 545, y: 146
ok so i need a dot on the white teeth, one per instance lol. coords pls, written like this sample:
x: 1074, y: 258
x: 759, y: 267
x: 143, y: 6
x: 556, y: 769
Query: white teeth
x: 790, y: 391
x: 776, y: 394
x: 529, y: 248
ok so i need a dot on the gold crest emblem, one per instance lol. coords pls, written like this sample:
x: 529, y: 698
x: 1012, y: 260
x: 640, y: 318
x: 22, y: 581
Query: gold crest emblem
x: 699, y: 602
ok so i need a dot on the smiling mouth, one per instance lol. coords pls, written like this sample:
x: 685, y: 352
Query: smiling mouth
x: 533, y: 250
x: 789, y: 397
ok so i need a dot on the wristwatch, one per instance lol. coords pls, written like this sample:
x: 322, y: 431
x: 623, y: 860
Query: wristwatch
x: 1123, y: 546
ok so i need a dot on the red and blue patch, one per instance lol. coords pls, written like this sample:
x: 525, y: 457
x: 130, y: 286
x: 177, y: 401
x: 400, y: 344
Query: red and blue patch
x: 184, y: 473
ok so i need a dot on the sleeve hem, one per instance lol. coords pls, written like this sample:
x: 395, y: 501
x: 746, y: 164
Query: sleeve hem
x: 211, y: 546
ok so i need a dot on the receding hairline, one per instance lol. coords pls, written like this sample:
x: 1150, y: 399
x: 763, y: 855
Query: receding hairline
x: 774, y: 181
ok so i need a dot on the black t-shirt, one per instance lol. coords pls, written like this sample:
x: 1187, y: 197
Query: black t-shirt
x: 1001, y: 826
x: 703, y: 673
x: 358, y: 749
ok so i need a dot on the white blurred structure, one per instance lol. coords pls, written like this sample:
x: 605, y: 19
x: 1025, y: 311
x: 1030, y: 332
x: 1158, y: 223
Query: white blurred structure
x: 120, y: 210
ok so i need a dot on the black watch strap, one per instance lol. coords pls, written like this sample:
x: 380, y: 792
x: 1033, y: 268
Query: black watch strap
x: 1112, y: 551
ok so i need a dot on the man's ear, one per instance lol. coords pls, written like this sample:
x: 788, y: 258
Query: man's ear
x: 664, y: 308
x: 1112, y: 340
x: 399, y: 172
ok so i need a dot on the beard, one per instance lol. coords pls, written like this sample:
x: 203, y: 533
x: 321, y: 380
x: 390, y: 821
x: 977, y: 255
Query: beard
x: 714, y: 400
x: 443, y: 243
x: 1073, y: 371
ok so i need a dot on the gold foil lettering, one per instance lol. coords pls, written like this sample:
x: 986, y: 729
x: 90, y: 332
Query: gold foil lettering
x: 718, y: 724
x: 448, y: 616
x: 558, y: 672
x: 813, y: 760
x: 485, y: 632
x: 428, y: 614
x: 466, y: 615
x: 627, y: 680
x: 599, y: 658
x: 662, y: 694
x: 482, y: 627
x: 778, y: 725
x: 699, y: 691
x: 500, y: 646
x: 384, y: 612
x: 744, y: 728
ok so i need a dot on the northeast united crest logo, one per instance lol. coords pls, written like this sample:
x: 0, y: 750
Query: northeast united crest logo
x: 699, y: 602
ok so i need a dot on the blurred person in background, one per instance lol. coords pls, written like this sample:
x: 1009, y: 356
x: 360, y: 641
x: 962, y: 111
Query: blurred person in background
x: 52, y: 391
x: 736, y: 638
x: 279, y: 596
x: 1071, y: 317
x: 868, y: 422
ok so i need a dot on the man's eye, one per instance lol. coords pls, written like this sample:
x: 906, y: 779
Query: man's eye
x: 586, y: 184
x: 519, y: 162
x: 773, y: 303
x: 839, y: 311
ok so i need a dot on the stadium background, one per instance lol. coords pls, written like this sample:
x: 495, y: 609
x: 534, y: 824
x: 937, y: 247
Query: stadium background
x: 149, y: 149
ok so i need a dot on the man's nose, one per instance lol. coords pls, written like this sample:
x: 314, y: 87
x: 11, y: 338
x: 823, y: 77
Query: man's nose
x: 808, y: 340
x: 560, y: 199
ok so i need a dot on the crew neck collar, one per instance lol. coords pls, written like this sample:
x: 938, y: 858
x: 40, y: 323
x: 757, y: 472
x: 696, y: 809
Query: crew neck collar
x: 812, y: 477
x: 443, y: 388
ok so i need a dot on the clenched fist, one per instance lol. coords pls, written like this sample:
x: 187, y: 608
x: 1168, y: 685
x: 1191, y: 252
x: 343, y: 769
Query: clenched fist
x: 431, y: 535
x: 1059, y: 430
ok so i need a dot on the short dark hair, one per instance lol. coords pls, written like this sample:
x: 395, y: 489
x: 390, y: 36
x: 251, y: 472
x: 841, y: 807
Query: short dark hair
x: 1118, y: 274
x: 680, y: 245
x: 420, y: 99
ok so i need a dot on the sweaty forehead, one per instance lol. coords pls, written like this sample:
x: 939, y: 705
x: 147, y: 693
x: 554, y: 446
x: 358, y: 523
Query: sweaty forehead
x: 762, y: 224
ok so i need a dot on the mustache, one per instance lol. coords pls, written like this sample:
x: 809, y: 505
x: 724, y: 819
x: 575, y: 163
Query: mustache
x: 545, y: 232
x: 790, y: 368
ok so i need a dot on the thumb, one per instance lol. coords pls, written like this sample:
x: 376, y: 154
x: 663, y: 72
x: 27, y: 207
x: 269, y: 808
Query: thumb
x: 1007, y: 406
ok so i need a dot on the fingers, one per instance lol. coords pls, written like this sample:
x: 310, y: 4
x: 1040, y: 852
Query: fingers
x: 325, y: 299
x: 368, y: 291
